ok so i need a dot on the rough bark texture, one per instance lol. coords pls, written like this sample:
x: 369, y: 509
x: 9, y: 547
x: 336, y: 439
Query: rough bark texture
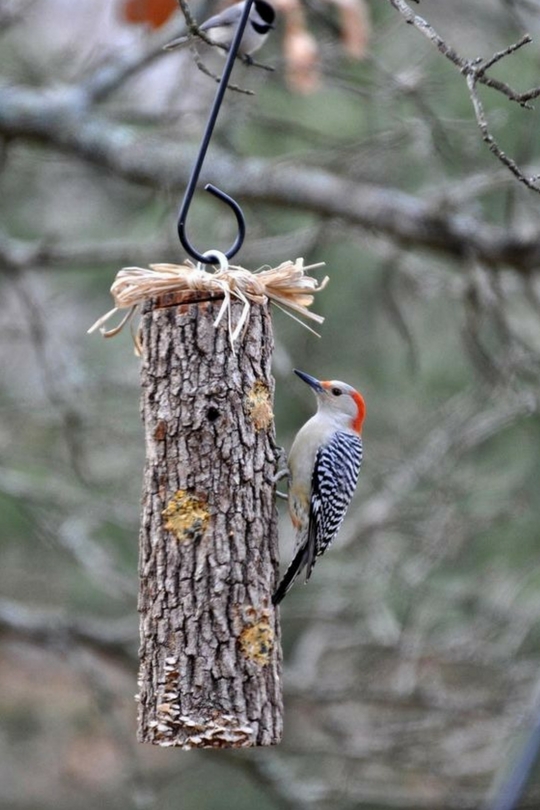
x: 210, y: 656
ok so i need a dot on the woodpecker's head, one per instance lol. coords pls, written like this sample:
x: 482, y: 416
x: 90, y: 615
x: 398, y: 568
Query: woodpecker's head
x: 339, y: 400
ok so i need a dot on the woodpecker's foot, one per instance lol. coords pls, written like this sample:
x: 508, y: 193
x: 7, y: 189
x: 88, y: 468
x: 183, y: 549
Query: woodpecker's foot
x: 280, y: 475
x: 283, y: 473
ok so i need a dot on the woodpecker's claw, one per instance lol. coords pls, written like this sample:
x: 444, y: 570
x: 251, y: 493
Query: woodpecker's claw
x: 283, y: 473
x: 280, y: 475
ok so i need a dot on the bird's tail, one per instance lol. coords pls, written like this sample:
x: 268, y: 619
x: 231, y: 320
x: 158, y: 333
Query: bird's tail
x: 300, y: 560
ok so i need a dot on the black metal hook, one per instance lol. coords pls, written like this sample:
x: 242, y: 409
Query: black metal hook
x: 190, y: 189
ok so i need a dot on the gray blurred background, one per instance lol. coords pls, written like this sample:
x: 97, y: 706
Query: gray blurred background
x: 411, y: 659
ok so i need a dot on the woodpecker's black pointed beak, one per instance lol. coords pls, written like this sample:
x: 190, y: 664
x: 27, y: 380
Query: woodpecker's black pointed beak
x: 311, y: 381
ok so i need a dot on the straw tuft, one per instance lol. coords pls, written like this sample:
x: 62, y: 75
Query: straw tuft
x: 287, y: 286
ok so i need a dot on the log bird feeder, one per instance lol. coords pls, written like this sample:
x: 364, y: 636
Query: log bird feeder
x: 210, y: 654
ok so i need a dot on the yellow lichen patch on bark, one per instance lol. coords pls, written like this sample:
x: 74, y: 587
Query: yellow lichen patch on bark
x: 259, y: 406
x: 186, y: 516
x: 257, y: 641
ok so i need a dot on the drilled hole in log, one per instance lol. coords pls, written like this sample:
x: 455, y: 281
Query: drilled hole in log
x: 212, y: 413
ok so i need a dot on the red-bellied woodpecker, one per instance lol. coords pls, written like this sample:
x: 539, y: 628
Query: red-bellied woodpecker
x: 324, y: 464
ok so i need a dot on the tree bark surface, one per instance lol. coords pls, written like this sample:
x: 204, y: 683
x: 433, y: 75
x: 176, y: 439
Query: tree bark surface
x: 210, y: 655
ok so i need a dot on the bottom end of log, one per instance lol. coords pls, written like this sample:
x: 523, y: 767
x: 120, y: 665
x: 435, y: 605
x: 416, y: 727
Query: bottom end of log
x: 222, y: 731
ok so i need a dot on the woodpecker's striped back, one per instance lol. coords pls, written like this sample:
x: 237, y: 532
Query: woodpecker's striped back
x: 334, y: 480
x: 335, y: 475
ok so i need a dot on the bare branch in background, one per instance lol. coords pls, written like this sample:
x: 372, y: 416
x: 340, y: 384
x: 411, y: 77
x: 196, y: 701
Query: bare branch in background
x: 475, y: 73
x: 530, y: 182
x: 40, y: 625
x: 459, y: 429
x: 195, y: 31
x: 207, y: 72
x: 16, y: 254
x: 34, y: 116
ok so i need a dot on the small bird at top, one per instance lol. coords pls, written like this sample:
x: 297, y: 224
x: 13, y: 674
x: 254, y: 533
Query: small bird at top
x: 221, y: 28
x: 323, y: 469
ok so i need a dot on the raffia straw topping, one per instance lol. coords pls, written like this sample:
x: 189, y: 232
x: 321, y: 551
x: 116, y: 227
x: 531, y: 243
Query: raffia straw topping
x: 287, y: 286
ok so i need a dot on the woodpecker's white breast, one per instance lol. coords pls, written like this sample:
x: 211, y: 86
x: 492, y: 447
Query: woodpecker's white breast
x: 314, y: 434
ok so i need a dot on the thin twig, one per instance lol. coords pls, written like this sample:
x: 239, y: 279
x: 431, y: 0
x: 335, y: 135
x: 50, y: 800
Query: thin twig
x: 475, y: 73
x: 207, y: 72
x: 195, y: 31
x: 505, y: 52
x: 488, y: 138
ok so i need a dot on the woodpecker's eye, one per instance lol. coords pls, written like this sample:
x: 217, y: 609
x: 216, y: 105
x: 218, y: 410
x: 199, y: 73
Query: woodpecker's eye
x: 337, y: 392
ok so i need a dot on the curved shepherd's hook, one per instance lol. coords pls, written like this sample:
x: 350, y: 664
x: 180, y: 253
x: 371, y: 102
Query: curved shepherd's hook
x: 190, y: 189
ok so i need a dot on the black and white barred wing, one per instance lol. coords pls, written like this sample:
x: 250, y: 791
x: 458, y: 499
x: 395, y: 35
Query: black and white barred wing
x: 334, y: 480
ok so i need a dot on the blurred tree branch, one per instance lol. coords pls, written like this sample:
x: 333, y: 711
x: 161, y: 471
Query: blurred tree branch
x: 18, y: 254
x: 116, y: 637
x: 64, y: 120
x: 12, y: 12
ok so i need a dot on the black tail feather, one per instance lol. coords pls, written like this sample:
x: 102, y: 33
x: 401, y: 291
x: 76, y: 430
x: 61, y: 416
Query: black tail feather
x: 299, y: 562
